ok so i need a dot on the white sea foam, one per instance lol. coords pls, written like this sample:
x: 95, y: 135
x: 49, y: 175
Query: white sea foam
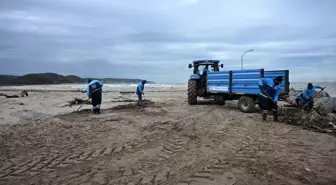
x: 107, y: 87
x: 331, y: 87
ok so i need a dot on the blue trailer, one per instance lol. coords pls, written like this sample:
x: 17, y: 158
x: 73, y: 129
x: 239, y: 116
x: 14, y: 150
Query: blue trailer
x: 241, y: 85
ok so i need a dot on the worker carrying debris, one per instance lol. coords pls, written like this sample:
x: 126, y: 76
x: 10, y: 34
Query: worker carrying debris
x: 305, y: 100
x: 140, y: 91
x: 269, y: 95
x: 94, y: 91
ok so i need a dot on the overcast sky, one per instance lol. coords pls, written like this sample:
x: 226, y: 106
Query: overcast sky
x: 157, y: 39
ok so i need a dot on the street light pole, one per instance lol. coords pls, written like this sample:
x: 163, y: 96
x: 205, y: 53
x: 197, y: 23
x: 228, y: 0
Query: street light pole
x: 242, y: 58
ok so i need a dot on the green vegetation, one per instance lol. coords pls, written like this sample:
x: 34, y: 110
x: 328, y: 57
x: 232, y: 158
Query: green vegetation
x: 4, y: 79
x: 53, y: 78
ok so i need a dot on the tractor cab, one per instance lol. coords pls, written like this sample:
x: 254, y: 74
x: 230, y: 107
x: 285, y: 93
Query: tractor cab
x: 197, y: 84
x: 201, y: 65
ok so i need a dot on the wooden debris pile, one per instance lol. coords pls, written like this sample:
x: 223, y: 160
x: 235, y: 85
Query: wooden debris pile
x: 323, y: 102
x: 309, y: 120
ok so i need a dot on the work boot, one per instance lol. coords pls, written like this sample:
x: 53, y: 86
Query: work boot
x: 264, y: 116
x: 275, y: 114
x: 98, y: 111
x: 275, y: 117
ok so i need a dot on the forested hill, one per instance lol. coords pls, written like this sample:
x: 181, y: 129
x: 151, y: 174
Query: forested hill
x: 53, y: 78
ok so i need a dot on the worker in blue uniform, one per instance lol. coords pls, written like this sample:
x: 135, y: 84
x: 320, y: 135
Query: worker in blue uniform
x: 204, y: 79
x: 269, y: 96
x: 140, y: 91
x: 205, y: 70
x: 94, y: 91
x: 305, y: 100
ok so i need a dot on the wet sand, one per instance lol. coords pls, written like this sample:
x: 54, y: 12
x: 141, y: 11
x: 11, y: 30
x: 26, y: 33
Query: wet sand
x: 165, y: 142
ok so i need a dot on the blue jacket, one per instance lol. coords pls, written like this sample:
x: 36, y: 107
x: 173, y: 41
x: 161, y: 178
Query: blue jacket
x: 94, y: 86
x: 205, y: 70
x: 270, y: 88
x: 309, y: 93
x: 140, y: 87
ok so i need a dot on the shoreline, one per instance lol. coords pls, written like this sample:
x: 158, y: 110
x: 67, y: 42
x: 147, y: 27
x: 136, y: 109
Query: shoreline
x: 82, y: 91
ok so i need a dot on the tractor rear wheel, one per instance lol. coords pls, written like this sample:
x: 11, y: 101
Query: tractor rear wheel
x: 192, y: 92
x: 246, y: 104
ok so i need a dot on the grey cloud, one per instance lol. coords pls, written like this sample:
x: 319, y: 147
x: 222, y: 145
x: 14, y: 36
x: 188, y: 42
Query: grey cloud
x: 156, y: 40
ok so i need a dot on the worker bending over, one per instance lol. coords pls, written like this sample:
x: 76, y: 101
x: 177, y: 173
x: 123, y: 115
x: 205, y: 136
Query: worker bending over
x: 94, y: 91
x: 140, y: 91
x: 305, y: 99
x: 269, y: 96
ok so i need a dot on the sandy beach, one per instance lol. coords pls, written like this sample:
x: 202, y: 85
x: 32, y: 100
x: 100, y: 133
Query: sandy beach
x: 166, y: 141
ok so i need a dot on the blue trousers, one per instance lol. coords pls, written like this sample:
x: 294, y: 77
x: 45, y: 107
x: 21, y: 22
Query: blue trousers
x: 308, y: 103
x: 139, y: 99
x: 96, y: 101
x: 266, y: 103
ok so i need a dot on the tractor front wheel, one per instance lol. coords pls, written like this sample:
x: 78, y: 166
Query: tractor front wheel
x: 192, y: 92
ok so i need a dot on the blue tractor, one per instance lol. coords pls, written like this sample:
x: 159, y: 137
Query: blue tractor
x: 242, y: 85
x: 197, y: 84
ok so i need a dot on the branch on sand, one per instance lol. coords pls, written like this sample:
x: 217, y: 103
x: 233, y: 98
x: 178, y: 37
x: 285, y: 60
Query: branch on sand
x: 22, y: 94
x: 126, y: 92
x: 78, y: 101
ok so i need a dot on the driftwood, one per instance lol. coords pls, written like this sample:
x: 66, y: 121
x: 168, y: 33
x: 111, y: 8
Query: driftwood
x: 320, y: 118
x: 78, y: 101
x: 127, y: 92
x: 22, y: 94
x: 9, y: 96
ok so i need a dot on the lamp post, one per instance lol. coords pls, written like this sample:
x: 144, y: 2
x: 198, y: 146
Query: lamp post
x: 242, y: 58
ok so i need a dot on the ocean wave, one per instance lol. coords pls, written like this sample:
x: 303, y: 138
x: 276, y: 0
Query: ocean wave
x: 331, y: 87
x: 106, y: 87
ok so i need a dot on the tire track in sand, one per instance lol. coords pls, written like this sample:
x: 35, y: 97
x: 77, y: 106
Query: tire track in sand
x: 208, y: 173
x: 47, y: 164
x: 53, y: 163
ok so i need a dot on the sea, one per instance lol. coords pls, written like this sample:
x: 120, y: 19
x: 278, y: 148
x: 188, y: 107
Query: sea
x: 330, y: 87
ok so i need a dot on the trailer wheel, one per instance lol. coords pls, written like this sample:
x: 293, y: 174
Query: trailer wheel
x: 246, y: 104
x: 192, y: 92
